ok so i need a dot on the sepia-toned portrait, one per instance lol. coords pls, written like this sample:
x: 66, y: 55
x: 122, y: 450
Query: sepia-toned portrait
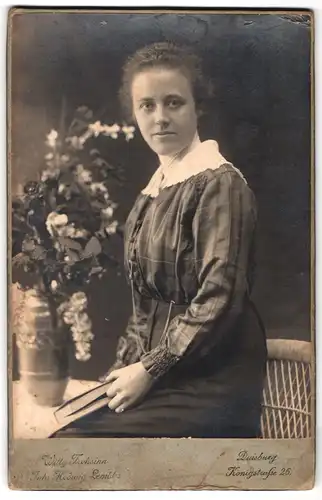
x: 161, y: 249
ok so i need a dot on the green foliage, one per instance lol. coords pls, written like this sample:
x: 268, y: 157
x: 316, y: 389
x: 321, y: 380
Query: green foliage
x: 61, y: 222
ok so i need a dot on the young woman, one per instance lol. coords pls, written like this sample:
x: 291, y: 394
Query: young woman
x: 192, y: 360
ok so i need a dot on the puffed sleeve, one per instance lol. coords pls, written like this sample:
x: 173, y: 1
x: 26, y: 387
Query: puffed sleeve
x: 223, y: 230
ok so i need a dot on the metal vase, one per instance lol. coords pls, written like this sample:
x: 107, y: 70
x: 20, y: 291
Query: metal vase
x: 42, y: 351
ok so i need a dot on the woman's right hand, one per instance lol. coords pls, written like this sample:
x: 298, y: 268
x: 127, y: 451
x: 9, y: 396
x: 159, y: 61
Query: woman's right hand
x: 128, y: 386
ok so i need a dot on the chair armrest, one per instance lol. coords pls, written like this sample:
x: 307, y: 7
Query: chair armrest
x: 293, y: 350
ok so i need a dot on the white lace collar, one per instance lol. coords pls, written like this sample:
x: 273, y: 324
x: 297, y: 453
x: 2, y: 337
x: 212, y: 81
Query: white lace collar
x: 204, y: 156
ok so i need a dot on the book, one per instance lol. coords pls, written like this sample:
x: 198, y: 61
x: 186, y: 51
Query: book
x: 82, y: 405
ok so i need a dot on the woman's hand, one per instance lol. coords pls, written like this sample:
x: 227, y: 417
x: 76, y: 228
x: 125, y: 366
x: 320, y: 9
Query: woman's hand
x: 127, y: 386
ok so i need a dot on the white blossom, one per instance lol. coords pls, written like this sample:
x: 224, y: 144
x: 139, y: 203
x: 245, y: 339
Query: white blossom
x: 111, y: 228
x: 50, y: 173
x: 95, y: 128
x: 65, y: 191
x: 75, y: 142
x: 83, y: 175
x: 49, y: 156
x: 52, y: 138
x: 107, y: 212
x: 80, y: 324
x: 61, y: 220
x: 98, y: 128
x: 71, y: 231
x: 83, y: 346
x: 61, y: 188
x: 73, y: 314
x: 80, y: 233
x: 108, y: 130
x: 55, y: 221
x: 98, y: 187
x: 67, y: 231
x: 54, y: 285
x: 111, y: 130
x: 82, y: 335
x: 83, y: 323
x: 82, y: 355
x: 78, y: 300
x: 128, y: 131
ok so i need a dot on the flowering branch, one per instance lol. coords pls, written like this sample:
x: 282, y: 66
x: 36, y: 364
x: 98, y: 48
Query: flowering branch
x: 62, y: 222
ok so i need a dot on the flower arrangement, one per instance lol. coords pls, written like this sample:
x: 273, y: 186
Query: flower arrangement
x: 62, y: 223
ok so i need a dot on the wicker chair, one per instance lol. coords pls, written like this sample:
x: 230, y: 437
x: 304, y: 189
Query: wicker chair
x: 287, y: 410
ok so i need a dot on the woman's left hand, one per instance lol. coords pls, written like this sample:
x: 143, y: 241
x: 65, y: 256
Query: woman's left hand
x: 128, y: 386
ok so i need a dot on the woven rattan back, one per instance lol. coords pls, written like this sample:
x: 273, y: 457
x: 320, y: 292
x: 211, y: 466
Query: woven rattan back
x: 286, y: 409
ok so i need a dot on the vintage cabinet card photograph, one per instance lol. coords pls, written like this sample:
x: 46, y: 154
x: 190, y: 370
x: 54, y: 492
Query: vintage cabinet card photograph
x: 161, y: 249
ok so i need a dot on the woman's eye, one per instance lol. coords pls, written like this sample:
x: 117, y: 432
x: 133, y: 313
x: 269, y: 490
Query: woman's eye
x: 147, y: 106
x: 175, y: 103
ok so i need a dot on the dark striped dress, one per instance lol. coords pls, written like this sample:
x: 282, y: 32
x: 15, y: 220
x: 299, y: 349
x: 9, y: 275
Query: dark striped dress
x: 189, y: 255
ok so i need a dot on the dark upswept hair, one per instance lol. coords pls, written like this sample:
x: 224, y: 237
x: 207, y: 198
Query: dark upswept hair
x: 166, y: 55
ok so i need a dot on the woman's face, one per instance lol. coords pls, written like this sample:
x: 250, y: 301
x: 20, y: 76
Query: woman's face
x: 164, y: 109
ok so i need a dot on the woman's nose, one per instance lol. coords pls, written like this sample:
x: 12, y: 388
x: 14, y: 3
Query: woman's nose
x: 161, y: 116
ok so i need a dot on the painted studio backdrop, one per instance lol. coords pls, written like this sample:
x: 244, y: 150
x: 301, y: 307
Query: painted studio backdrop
x: 259, y: 114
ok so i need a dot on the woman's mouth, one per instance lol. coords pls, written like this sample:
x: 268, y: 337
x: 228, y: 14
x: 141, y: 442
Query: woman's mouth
x: 163, y: 134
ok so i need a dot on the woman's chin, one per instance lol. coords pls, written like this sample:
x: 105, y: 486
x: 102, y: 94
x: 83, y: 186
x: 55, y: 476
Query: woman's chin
x: 165, y: 149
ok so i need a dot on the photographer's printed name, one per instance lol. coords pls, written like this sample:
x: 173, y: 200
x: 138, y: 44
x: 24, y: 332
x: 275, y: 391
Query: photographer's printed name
x: 66, y: 469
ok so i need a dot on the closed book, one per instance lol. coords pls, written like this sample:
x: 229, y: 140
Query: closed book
x: 82, y: 405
